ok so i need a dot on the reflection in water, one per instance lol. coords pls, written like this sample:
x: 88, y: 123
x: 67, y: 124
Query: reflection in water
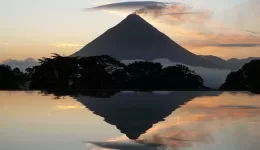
x: 229, y: 121
x: 134, y: 113
x: 168, y: 120
x: 98, y: 93
x: 30, y: 121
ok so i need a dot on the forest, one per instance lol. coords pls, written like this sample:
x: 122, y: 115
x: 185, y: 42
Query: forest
x: 60, y: 73
x: 99, y: 72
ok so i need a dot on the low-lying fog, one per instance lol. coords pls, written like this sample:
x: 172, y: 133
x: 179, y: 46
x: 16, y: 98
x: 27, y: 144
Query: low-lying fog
x: 213, y: 78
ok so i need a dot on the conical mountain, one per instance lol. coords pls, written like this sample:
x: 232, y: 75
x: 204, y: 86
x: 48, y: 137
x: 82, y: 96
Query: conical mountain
x: 134, y: 38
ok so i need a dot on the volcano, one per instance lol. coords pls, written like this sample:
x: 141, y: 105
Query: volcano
x: 136, y: 39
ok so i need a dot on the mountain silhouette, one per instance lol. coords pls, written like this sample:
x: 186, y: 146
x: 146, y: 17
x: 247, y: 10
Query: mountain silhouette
x: 134, y: 113
x: 134, y: 38
x: 232, y: 64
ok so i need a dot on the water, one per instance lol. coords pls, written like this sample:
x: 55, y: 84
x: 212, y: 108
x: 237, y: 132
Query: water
x: 128, y: 120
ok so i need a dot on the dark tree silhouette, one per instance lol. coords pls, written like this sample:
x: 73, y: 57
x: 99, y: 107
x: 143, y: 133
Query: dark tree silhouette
x: 55, y: 72
x: 252, y: 75
x: 96, y: 72
x: 151, y: 76
x: 139, y: 75
x: 67, y: 73
x: 234, y: 81
x: 11, y: 79
x: 246, y: 78
x: 104, y: 72
x: 180, y: 77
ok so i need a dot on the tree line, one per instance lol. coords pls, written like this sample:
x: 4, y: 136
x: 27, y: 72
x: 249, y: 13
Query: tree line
x: 245, y: 79
x: 12, y: 79
x: 104, y: 72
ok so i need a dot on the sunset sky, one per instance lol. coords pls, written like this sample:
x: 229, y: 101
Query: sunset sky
x: 36, y: 28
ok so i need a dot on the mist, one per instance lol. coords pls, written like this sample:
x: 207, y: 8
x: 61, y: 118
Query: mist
x: 213, y: 78
x: 21, y: 64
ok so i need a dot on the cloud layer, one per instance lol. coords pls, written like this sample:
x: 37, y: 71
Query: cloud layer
x: 237, y: 45
x: 67, y: 45
x: 133, y: 5
x: 170, y: 11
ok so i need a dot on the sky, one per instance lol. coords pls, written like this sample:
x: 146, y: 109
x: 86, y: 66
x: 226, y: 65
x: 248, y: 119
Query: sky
x: 37, y: 28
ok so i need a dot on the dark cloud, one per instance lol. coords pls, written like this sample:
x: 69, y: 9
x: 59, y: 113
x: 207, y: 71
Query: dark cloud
x: 237, y: 45
x: 134, y: 5
x: 170, y: 11
x: 253, y: 32
x: 125, y: 146
x: 239, y: 107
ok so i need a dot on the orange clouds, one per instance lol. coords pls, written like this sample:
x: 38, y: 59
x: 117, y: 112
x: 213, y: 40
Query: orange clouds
x: 174, y: 12
x: 213, y: 39
x: 68, y: 45
x: 67, y: 107
x: 224, y: 40
x: 19, y: 50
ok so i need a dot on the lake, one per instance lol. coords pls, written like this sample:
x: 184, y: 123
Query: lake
x: 129, y: 120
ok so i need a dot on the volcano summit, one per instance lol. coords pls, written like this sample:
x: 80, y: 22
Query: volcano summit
x: 136, y: 39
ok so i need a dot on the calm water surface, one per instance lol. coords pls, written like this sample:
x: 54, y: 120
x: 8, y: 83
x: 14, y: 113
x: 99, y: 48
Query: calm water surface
x: 128, y: 120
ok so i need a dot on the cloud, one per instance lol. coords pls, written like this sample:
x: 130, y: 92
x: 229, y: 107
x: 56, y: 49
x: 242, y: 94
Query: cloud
x: 253, y: 32
x: 5, y: 44
x: 68, y: 107
x: 222, y: 40
x: 126, y: 5
x: 21, y: 64
x: 233, y: 45
x: 67, y: 45
x: 238, y: 107
x: 237, y: 45
x: 124, y: 146
x: 177, y: 12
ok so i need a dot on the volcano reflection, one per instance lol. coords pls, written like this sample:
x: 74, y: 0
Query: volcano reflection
x: 134, y: 113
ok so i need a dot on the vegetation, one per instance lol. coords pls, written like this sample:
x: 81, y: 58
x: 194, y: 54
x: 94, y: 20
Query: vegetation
x: 152, y: 76
x: 246, y: 79
x: 11, y: 79
x: 72, y: 74
x: 104, y: 72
